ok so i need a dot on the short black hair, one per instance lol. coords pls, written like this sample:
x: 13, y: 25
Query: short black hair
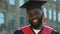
x: 33, y: 7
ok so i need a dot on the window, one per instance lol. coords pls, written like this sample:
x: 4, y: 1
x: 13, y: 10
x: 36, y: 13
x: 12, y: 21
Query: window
x: 50, y: 14
x: 21, y: 2
x: 12, y: 2
x: 58, y: 17
x: 54, y: 15
x: 12, y: 24
x: 1, y: 21
x: 1, y: 18
x: 22, y: 21
x: 45, y: 12
x: 11, y: 21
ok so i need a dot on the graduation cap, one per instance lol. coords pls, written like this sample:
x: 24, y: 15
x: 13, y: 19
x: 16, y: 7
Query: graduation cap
x: 33, y: 4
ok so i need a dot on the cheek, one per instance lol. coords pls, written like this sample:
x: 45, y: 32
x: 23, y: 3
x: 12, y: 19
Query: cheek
x: 29, y: 19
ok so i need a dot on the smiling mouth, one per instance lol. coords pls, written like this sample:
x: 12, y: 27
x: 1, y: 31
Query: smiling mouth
x: 35, y: 20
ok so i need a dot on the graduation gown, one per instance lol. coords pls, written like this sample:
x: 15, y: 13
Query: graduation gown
x: 21, y: 31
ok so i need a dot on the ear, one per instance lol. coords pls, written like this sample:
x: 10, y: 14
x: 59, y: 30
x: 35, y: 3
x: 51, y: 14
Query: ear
x: 42, y: 13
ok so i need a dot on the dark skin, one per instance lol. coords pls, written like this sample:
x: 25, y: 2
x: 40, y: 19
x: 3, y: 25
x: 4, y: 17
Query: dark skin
x: 37, y: 25
x: 35, y: 13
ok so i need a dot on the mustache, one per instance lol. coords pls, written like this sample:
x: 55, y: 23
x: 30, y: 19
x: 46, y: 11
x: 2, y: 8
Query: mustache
x: 37, y: 18
x: 34, y: 18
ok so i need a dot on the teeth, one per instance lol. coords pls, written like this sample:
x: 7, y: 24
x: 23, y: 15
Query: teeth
x: 35, y: 20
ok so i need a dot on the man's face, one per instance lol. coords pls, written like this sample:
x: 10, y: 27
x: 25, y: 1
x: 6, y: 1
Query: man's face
x: 35, y: 17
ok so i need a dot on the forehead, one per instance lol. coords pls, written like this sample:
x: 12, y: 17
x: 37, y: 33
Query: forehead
x: 35, y: 10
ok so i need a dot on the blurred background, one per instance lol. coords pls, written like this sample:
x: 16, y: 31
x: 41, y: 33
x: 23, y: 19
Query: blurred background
x: 13, y: 17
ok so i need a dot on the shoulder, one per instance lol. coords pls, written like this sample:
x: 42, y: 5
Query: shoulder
x: 54, y: 32
x: 51, y: 29
x: 18, y: 32
x: 24, y: 27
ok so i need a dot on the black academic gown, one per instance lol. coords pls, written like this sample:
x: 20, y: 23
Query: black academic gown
x: 20, y: 31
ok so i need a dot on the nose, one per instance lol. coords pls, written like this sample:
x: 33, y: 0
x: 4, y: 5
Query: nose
x: 35, y: 16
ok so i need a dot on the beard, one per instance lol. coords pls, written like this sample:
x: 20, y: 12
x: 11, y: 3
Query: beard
x: 36, y: 24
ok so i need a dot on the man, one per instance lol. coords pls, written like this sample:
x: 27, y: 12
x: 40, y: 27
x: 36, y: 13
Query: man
x: 36, y: 15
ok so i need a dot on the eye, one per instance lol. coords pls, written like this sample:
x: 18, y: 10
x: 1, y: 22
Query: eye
x: 38, y: 12
x: 30, y: 14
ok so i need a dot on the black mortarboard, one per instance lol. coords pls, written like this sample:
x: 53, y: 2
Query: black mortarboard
x: 33, y: 4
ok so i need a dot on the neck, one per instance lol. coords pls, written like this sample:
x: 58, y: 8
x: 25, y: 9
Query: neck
x: 39, y: 28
